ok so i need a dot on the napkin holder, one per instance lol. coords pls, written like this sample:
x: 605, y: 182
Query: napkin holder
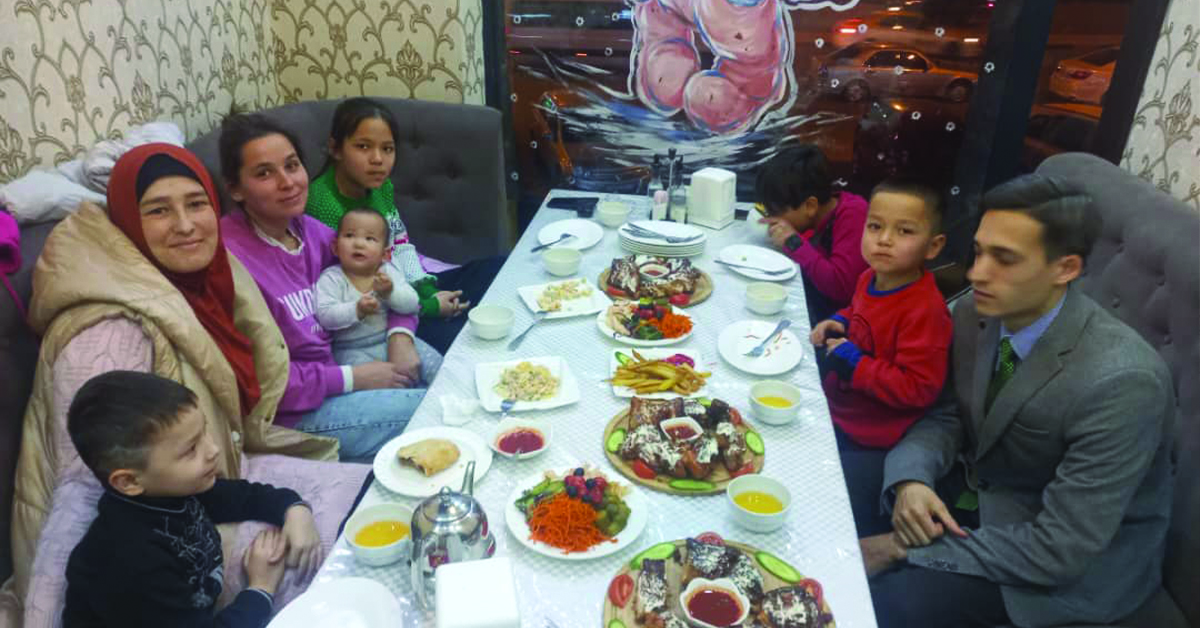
x: 477, y: 594
x: 711, y: 198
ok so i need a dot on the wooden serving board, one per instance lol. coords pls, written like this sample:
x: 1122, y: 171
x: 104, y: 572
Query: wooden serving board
x: 704, y: 287
x: 719, y: 477
x: 674, y: 573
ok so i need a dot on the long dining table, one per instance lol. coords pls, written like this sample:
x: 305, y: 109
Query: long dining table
x: 819, y: 537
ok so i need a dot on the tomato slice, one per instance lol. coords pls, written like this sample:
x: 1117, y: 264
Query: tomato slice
x: 620, y: 589
x: 747, y: 469
x: 814, y: 589
x: 643, y: 470
x: 616, y: 292
x: 710, y: 538
x: 735, y: 417
x: 680, y: 299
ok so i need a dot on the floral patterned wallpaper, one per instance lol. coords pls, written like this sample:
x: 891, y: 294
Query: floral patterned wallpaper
x: 1164, y: 142
x: 401, y: 48
x: 73, y: 72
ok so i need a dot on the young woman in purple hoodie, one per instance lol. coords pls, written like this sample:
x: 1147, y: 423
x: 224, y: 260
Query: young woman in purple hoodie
x: 285, y: 251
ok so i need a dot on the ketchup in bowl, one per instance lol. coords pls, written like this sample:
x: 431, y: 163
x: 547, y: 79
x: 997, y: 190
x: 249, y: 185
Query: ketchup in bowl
x: 681, y: 432
x: 714, y: 606
x: 522, y: 440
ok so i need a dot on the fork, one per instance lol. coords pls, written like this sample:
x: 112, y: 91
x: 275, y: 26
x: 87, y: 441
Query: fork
x: 506, y: 406
x: 642, y: 232
x: 550, y: 244
x: 758, y: 351
x: 754, y: 268
x: 537, y: 318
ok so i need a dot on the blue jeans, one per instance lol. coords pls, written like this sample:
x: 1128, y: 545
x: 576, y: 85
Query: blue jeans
x: 363, y: 421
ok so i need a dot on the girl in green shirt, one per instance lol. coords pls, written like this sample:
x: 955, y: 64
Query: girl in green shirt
x: 362, y: 153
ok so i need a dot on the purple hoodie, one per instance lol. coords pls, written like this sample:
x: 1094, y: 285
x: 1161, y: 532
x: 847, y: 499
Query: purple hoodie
x: 286, y: 281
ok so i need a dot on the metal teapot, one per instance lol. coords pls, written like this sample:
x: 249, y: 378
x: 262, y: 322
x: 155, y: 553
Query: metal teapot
x: 448, y: 527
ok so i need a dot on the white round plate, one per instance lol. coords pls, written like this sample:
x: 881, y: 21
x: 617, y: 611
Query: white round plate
x: 757, y: 256
x: 602, y: 323
x: 341, y: 603
x: 781, y: 356
x: 587, y: 233
x: 639, y: 514
x: 407, y: 480
x: 666, y: 228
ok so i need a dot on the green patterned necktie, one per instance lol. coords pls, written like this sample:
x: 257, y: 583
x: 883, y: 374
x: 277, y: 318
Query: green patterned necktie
x: 1006, y: 366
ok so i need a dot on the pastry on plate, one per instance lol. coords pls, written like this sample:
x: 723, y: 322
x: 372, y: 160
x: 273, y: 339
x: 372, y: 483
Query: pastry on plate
x: 429, y: 456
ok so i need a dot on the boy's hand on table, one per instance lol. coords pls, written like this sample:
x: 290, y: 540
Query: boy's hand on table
x: 826, y: 329
x: 367, y: 305
x: 382, y: 284
x: 264, y: 560
x: 304, y: 551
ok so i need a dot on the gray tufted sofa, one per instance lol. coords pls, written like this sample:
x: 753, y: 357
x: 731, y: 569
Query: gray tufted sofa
x: 449, y: 178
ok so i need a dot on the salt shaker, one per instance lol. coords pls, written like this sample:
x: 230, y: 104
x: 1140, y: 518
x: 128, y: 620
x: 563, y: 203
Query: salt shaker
x: 658, y: 210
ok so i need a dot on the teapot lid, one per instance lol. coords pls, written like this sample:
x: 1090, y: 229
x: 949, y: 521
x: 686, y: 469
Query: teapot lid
x: 447, y: 506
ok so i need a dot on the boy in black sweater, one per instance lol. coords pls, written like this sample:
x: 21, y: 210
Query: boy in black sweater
x: 152, y: 556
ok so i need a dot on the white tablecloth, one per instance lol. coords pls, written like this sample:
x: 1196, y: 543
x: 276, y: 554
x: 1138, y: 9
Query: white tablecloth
x: 819, y: 538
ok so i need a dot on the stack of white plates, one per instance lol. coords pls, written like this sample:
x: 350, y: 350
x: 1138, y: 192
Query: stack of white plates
x: 657, y: 246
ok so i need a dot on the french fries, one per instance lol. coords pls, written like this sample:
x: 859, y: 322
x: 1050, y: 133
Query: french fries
x: 651, y: 376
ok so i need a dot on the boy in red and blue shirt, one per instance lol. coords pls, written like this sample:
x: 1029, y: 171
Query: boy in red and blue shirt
x: 887, y: 352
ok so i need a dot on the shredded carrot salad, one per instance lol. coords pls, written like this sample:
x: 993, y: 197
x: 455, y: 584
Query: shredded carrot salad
x: 565, y: 523
x: 673, y: 325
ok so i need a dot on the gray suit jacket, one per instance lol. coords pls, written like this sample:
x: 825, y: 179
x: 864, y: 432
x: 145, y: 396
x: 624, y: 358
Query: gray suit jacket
x: 1072, y: 461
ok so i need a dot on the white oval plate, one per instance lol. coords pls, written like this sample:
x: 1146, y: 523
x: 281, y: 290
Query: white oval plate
x: 781, y: 356
x: 666, y: 228
x: 586, y: 232
x: 656, y: 354
x: 639, y: 514
x: 602, y: 323
x: 757, y: 256
x: 408, y: 480
x: 341, y: 603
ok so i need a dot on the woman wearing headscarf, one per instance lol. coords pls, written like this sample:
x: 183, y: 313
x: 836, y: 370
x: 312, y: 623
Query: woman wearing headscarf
x: 149, y: 287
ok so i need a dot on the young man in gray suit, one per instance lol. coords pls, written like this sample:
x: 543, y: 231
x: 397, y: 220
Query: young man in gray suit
x: 1051, y: 442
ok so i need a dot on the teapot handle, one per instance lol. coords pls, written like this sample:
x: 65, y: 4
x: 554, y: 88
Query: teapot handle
x: 420, y: 560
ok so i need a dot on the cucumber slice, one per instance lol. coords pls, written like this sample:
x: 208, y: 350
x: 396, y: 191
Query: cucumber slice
x: 691, y: 485
x: 616, y: 623
x: 705, y: 401
x: 755, y: 443
x: 780, y: 569
x: 661, y: 551
x: 614, y: 440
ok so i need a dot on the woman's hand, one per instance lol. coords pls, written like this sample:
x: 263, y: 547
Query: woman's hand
x: 376, y: 375
x: 304, y: 551
x: 367, y: 305
x: 382, y: 284
x: 448, y: 304
x: 402, y: 353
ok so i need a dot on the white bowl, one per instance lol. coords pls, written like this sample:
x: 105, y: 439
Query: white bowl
x: 681, y: 421
x: 490, y: 322
x: 770, y: 414
x: 724, y: 584
x: 383, y: 554
x: 612, y: 213
x: 509, y: 424
x: 753, y: 521
x: 561, y: 261
x: 765, y: 298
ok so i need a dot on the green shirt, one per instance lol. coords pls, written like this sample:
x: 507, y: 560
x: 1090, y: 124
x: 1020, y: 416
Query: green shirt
x: 327, y: 204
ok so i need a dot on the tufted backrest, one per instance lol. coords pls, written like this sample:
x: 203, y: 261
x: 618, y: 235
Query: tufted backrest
x: 449, y: 174
x: 1145, y: 269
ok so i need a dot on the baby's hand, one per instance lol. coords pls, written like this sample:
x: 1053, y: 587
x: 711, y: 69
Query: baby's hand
x: 382, y: 285
x: 367, y: 306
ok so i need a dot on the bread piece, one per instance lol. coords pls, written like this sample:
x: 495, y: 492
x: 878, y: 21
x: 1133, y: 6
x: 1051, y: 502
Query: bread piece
x: 429, y: 456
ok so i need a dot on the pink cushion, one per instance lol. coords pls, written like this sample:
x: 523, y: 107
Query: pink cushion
x: 329, y: 487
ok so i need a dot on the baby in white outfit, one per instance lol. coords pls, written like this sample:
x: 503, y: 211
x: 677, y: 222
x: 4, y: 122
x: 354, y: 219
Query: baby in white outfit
x: 353, y: 299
